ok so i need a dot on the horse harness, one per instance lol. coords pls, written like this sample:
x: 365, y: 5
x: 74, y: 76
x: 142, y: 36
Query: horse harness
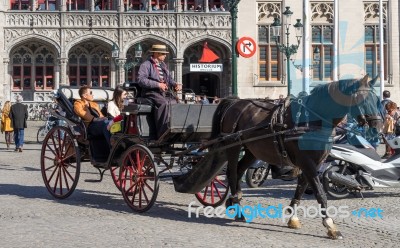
x: 278, y: 128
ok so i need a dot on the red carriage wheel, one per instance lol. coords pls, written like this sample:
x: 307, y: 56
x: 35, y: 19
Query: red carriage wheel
x: 60, y: 162
x: 139, y: 178
x: 215, y: 193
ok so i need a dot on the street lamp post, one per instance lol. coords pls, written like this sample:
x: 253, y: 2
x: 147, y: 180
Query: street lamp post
x: 128, y: 65
x: 287, y: 49
x: 115, y: 56
x: 233, y: 9
x: 137, y: 60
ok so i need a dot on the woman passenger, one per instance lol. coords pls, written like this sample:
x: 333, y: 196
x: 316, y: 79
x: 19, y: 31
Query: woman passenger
x: 115, y: 106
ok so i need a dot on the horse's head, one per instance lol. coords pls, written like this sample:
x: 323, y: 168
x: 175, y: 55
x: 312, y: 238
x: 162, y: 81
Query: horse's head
x: 360, y: 99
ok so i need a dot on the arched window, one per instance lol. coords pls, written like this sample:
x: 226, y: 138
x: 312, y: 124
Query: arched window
x: 89, y: 68
x: 33, y: 67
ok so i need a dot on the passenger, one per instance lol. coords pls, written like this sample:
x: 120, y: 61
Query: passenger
x: 115, y: 106
x: 91, y: 115
x: 156, y: 81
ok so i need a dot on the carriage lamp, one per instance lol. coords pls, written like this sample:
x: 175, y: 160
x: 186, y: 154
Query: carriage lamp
x: 287, y: 49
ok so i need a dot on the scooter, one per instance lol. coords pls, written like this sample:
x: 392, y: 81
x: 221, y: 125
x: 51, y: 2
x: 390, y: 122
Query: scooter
x: 258, y: 172
x: 358, y: 167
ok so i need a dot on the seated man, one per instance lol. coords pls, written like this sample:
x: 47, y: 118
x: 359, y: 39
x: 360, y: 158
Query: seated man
x: 155, y: 81
x: 91, y: 115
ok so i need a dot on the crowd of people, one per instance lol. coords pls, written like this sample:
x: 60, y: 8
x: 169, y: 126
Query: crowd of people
x: 391, y: 125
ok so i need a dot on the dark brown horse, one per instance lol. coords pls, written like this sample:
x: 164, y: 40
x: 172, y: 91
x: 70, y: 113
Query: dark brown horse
x: 299, y: 134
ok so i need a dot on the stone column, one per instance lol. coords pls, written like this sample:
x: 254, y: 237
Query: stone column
x: 62, y: 5
x: 91, y: 7
x: 178, y: 62
x: 206, y: 6
x: 122, y: 77
x: 7, y: 83
x: 121, y: 6
x: 63, y: 73
x: 177, y: 73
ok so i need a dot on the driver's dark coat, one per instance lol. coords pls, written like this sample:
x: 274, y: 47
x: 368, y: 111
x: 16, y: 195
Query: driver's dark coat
x: 148, y: 77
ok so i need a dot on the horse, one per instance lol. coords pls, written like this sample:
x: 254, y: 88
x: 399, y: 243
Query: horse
x: 297, y: 133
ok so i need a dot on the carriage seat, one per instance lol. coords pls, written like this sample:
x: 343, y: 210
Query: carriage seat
x: 100, y: 96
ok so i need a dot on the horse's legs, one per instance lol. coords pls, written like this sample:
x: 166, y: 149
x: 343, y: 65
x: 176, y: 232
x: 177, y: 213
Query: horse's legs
x: 243, y: 164
x: 320, y: 194
x: 302, y: 184
x: 233, y: 157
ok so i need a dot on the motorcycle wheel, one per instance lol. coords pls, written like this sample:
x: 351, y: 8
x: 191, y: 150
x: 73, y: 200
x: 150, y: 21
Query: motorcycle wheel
x: 332, y: 189
x: 41, y: 134
x: 255, y: 177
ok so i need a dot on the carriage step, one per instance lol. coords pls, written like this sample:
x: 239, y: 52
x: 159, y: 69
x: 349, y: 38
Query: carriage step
x: 101, y: 165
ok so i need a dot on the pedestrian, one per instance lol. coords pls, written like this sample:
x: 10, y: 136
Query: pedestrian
x: 389, y: 124
x: 157, y: 83
x: 215, y: 100
x: 6, y: 126
x: 204, y: 100
x: 19, y: 116
x: 386, y: 99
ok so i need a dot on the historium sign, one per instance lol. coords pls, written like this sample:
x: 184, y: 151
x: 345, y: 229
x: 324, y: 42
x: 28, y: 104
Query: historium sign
x: 206, y: 67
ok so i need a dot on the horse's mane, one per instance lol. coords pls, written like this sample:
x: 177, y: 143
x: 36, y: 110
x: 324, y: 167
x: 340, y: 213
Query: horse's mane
x: 346, y: 86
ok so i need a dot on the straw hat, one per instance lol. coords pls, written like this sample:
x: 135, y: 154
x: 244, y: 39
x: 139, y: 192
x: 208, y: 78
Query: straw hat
x: 159, y: 49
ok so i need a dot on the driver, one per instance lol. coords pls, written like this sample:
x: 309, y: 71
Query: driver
x: 155, y: 81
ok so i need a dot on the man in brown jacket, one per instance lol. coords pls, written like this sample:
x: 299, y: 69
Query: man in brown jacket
x: 91, y: 115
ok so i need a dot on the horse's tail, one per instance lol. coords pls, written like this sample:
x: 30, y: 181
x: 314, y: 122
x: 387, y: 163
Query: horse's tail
x: 218, y: 115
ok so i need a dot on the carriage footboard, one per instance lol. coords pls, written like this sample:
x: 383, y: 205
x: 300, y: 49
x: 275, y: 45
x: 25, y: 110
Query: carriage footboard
x: 201, y: 174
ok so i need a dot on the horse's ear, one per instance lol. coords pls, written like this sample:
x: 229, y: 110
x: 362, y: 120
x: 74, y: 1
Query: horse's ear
x: 364, y: 80
x: 373, y: 81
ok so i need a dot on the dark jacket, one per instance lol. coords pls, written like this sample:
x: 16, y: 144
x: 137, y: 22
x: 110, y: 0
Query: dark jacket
x: 19, y: 115
x: 148, y: 77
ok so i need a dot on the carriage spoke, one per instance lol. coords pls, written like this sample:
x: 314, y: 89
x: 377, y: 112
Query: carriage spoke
x: 56, y: 182
x: 69, y: 174
x: 218, y: 192
x: 51, y: 149
x: 205, y: 193
x: 60, y: 175
x: 51, y: 167
x: 221, y: 183
x: 54, y: 171
x: 65, y: 173
x: 60, y: 142
x: 148, y: 186
x: 57, y: 151
x: 144, y: 194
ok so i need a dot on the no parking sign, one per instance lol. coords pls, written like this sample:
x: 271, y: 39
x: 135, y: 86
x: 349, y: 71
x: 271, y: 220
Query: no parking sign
x: 246, y: 47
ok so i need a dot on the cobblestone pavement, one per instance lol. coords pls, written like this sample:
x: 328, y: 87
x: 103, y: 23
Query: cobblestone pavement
x: 95, y: 215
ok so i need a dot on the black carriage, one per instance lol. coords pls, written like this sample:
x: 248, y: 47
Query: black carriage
x: 136, y: 159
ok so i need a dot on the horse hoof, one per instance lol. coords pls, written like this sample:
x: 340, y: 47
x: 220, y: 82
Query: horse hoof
x: 294, y: 223
x: 335, y: 235
x: 240, y: 195
x: 229, y: 202
x: 241, y: 218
